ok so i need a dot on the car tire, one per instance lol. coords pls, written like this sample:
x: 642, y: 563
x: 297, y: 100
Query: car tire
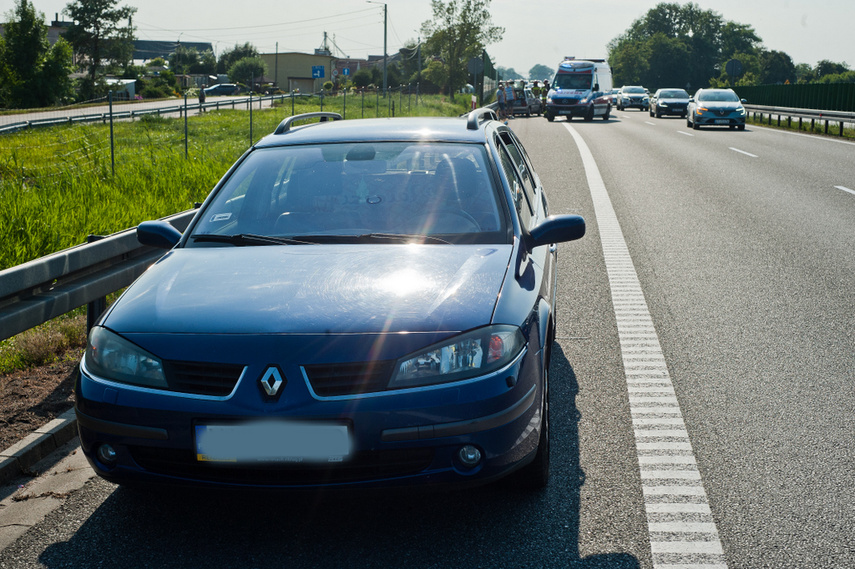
x: 741, y: 127
x: 589, y: 116
x: 528, y: 112
x: 695, y: 125
x: 535, y: 475
x: 549, y: 116
x: 608, y: 112
x: 658, y: 114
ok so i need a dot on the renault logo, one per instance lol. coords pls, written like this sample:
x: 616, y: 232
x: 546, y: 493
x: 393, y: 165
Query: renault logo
x: 271, y: 382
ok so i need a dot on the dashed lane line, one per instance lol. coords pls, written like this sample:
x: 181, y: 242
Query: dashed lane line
x: 682, y: 530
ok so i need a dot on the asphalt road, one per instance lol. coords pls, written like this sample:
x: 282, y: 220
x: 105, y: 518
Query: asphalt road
x: 743, y: 248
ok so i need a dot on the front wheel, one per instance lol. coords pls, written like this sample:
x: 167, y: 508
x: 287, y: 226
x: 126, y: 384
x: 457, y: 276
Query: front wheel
x: 535, y: 475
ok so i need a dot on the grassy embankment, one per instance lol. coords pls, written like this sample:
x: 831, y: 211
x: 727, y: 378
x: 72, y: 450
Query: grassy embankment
x: 56, y: 187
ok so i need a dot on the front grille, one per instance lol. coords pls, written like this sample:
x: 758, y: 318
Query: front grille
x: 202, y: 378
x: 363, y: 466
x: 349, y: 379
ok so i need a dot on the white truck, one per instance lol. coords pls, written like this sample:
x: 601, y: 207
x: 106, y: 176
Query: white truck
x: 579, y: 89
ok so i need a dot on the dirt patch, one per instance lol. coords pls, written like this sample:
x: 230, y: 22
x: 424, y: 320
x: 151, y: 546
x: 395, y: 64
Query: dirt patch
x: 32, y: 398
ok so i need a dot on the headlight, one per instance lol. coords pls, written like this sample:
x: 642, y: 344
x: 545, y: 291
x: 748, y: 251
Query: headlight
x: 110, y: 356
x: 701, y: 110
x: 740, y: 111
x: 469, y: 355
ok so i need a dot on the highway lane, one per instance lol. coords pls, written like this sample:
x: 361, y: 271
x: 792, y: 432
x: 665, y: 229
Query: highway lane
x: 744, y: 246
x: 745, y: 263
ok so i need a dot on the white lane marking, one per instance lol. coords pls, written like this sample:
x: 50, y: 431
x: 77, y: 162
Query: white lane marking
x: 685, y: 133
x: 675, y: 501
x: 743, y: 152
x: 650, y: 123
x: 845, y: 189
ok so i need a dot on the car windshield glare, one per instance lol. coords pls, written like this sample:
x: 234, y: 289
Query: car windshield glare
x: 674, y: 95
x: 719, y: 96
x: 572, y: 81
x: 636, y: 90
x: 352, y: 190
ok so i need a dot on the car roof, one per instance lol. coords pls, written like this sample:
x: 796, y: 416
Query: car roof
x: 445, y: 129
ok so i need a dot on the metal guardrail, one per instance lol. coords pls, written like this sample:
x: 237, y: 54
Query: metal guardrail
x: 42, y: 289
x: 117, y: 115
x: 813, y: 115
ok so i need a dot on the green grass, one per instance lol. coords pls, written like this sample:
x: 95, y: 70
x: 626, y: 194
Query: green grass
x: 57, y: 187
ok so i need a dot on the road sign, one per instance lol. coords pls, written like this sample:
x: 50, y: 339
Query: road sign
x: 345, y: 71
x: 317, y: 72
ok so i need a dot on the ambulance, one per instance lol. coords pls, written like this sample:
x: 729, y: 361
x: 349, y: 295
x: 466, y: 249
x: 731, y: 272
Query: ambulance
x: 579, y: 89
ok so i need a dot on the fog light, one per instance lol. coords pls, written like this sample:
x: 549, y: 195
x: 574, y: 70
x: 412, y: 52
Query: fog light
x: 107, y: 454
x: 469, y: 456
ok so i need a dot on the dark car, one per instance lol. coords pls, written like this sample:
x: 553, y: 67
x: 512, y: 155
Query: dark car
x: 632, y: 97
x: 222, y: 89
x: 716, y: 107
x: 357, y: 303
x: 525, y: 103
x: 669, y: 102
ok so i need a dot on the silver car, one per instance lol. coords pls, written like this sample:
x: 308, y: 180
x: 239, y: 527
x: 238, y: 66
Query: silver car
x: 716, y: 107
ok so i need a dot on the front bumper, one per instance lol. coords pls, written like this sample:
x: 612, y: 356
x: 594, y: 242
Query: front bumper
x: 717, y: 119
x: 398, y: 438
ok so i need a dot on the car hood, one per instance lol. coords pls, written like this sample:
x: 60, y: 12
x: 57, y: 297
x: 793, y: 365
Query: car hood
x: 673, y: 100
x: 315, y: 289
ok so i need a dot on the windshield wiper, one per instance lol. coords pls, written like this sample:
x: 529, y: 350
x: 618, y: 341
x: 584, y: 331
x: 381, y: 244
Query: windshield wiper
x: 240, y: 239
x: 402, y: 237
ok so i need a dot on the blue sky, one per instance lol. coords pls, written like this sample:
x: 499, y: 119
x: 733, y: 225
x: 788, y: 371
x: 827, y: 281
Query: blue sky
x: 536, y: 31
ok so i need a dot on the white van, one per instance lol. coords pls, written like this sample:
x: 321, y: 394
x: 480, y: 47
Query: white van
x: 579, y: 89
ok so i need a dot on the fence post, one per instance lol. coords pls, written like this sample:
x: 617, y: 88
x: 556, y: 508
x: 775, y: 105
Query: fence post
x: 251, y: 84
x: 97, y: 307
x: 112, y: 144
x: 185, y: 124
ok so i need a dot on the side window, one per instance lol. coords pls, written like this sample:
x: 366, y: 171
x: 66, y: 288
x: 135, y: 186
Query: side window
x: 522, y: 166
x: 517, y: 192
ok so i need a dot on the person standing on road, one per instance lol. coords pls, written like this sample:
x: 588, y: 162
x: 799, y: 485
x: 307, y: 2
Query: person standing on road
x: 500, y: 99
x: 509, y: 99
x: 201, y: 100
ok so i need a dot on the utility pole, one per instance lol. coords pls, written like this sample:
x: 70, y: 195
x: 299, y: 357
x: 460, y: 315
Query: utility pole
x: 385, y: 56
x: 276, y: 67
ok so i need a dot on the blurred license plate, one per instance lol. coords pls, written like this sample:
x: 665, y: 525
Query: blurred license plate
x: 722, y: 121
x: 273, y: 441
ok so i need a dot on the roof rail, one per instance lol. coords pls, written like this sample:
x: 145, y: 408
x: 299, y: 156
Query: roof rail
x: 285, y: 125
x: 476, y: 117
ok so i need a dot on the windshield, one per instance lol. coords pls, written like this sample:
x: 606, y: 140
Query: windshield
x: 572, y: 81
x: 635, y: 90
x: 356, y: 192
x: 674, y: 94
x: 718, y: 96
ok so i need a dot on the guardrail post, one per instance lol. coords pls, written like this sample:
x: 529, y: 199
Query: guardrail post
x: 97, y: 307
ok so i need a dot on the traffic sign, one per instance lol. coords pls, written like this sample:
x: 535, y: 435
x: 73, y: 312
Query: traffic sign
x: 317, y: 72
x: 346, y: 71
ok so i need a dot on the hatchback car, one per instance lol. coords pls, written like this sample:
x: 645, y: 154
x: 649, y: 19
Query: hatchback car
x: 357, y: 303
x: 632, y: 97
x: 669, y: 102
x: 716, y: 107
x: 525, y: 103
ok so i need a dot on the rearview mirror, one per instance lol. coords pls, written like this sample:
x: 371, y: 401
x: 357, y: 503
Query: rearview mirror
x: 158, y: 234
x: 557, y: 229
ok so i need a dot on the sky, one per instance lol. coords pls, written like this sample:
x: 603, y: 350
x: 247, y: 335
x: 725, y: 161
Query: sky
x: 536, y: 31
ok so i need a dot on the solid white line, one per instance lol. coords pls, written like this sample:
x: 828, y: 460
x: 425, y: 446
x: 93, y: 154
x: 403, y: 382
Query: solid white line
x: 845, y: 189
x: 645, y: 359
x: 685, y: 133
x: 743, y: 152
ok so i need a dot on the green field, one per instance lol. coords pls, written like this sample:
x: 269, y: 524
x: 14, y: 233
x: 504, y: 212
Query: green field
x: 57, y: 185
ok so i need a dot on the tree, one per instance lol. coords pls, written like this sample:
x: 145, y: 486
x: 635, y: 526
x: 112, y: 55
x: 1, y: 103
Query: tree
x: 99, y: 33
x: 32, y: 74
x: 776, y: 67
x: 508, y: 73
x: 459, y: 30
x: 231, y: 56
x: 246, y: 69
x: 541, y: 72
x: 700, y: 40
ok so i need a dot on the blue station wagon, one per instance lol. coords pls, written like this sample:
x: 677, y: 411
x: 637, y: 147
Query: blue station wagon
x: 357, y: 303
